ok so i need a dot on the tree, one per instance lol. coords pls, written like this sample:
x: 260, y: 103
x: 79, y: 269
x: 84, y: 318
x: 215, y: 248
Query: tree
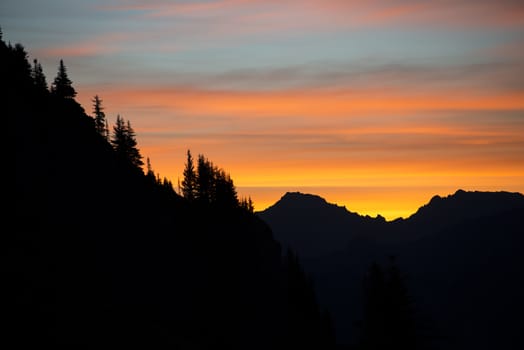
x: 107, y: 129
x: 150, y: 173
x: 204, y: 183
x: 309, y: 326
x: 133, y: 153
x: 224, y: 191
x: 16, y: 68
x: 208, y: 184
x: 213, y: 185
x: 388, y: 316
x: 39, y: 80
x: 188, y: 185
x: 62, y: 85
x: 99, y: 116
x: 124, y: 142
x: 247, y: 204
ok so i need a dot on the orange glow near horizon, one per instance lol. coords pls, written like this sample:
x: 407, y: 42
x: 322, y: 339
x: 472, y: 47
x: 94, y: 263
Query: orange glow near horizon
x: 388, y: 202
x: 374, y: 105
x: 341, y: 145
x: 308, y: 103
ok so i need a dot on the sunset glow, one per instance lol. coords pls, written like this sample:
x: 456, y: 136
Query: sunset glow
x: 376, y: 106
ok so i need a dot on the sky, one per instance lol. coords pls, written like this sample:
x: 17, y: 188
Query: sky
x: 374, y: 105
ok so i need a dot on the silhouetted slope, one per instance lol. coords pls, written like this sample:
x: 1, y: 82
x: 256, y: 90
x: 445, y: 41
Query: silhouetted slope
x: 461, y: 255
x: 101, y: 254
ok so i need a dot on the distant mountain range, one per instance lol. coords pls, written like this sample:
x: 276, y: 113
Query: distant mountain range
x: 462, y: 256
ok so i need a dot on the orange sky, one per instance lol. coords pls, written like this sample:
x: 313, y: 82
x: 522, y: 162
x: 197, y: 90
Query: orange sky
x: 376, y: 105
x: 369, y: 150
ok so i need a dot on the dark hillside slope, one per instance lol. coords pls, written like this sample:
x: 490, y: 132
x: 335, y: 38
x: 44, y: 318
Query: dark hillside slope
x: 99, y: 253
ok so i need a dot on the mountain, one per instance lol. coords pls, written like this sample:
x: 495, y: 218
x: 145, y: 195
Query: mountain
x: 314, y: 227
x: 461, y: 256
x: 101, y: 254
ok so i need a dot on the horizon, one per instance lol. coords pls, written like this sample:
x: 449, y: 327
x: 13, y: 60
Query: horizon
x: 376, y: 107
x: 335, y: 196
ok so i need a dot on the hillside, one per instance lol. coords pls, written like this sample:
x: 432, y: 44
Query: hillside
x: 100, y: 252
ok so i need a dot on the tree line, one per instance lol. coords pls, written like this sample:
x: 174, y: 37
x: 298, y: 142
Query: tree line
x: 203, y: 182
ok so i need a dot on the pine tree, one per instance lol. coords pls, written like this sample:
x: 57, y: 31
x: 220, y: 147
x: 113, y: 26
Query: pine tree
x: 124, y: 142
x: 204, y: 183
x: 247, y: 204
x: 188, y: 185
x: 119, y: 136
x: 99, y: 116
x: 18, y: 68
x: 309, y: 326
x: 250, y: 205
x: 62, y: 85
x: 133, y: 153
x: 224, y: 192
x: 39, y: 79
x: 388, y: 316
x: 107, y: 130
x: 150, y: 173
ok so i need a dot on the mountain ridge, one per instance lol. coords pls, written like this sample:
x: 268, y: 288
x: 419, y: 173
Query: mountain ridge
x: 460, y: 252
x: 290, y: 196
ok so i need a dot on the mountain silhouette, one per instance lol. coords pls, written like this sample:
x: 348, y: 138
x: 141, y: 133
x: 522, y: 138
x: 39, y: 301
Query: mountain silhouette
x: 461, y: 255
x: 312, y: 226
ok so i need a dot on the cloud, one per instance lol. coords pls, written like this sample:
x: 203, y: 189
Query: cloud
x: 100, y: 45
x: 318, y: 14
x: 312, y: 138
x: 312, y: 104
x: 479, y: 76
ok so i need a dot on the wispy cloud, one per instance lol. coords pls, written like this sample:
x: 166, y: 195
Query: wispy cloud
x: 99, y: 45
x: 379, y: 93
x: 329, y: 13
x: 479, y: 76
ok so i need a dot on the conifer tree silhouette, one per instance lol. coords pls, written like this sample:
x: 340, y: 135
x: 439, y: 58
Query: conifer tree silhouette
x: 204, y: 179
x: 188, y: 185
x: 213, y: 185
x: 247, y: 204
x: 99, y: 116
x: 62, y: 86
x: 150, y: 173
x: 388, y: 316
x: 134, y: 153
x: 39, y: 79
x: 124, y: 142
x: 224, y: 190
x: 310, y: 327
x: 16, y: 68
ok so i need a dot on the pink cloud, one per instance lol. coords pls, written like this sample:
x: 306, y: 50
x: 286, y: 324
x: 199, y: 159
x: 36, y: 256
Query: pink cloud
x: 336, y: 13
x: 98, y: 45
